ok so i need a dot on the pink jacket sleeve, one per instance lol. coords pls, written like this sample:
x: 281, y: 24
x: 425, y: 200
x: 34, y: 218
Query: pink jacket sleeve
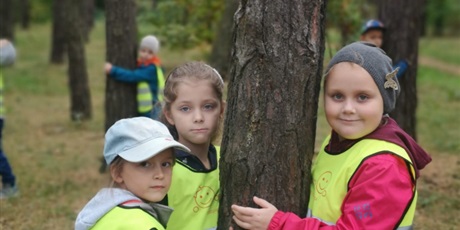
x: 377, y: 197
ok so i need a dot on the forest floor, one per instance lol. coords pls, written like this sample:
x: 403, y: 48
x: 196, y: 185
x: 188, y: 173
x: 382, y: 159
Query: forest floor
x: 443, y: 66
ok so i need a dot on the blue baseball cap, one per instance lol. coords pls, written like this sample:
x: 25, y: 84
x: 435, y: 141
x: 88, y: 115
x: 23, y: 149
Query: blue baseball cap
x: 372, y: 24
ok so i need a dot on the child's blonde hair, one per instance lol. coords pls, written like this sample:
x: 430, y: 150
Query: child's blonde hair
x: 195, y: 71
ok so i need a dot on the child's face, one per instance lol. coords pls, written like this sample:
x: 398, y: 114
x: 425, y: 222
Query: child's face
x: 196, y: 112
x: 145, y: 54
x: 373, y: 36
x: 352, y: 101
x: 149, y: 180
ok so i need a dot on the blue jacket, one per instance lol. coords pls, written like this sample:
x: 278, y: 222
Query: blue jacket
x: 144, y: 72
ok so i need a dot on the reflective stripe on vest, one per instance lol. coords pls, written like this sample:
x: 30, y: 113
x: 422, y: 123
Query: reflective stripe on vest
x: 160, y: 84
x: 2, y: 108
x: 127, y: 218
x: 144, y: 97
x: 332, y: 173
x: 194, y: 196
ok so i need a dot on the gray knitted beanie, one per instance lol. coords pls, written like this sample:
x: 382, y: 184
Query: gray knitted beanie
x: 150, y: 42
x: 375, y: 61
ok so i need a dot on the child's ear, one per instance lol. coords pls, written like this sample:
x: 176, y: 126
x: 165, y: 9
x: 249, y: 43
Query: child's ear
x: 223, y: 108
x: 116, y: 177
x: 168, y: 117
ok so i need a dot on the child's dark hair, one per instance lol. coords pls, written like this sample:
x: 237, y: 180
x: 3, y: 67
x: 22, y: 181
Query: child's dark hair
x: 191, y: 70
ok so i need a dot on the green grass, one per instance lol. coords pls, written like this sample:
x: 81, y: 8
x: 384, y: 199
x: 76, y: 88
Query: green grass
x: 444, y: 49
x: 438, y: 111
x: 56, y: 161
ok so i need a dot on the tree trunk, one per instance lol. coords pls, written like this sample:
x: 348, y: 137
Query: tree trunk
x: 270, y: 124
x: 222, y: 45
x: 58, y: 45
x: 80, y: 99
x: 402, y: 19
x: 87, y: 8
x: 121, y: 31
x: 6, y: 20
x: 25, y: 13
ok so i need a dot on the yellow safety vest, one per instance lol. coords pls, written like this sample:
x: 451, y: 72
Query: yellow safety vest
x: 2, y: 107
x: 127, y: 218
x: 144, y: 94
x: 194, y: 196
x: 332, y: 173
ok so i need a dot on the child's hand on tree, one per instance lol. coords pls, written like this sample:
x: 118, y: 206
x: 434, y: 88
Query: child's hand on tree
x: 107, y: 67
x: 254, y: 218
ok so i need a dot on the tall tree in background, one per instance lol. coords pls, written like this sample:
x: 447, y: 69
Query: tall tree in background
x: 25, y: 13
x: 269, y: 131
x: 58, y: 44
x: 6, y: 19
x: 402, y: 20
x: 121, y: 31
x: 87, y: 8
x: 80, y: 98
x: 223, y: 42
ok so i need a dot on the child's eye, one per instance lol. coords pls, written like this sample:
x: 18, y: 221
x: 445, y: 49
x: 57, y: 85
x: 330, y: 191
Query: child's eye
x: 144, y: 164
x: 184, y: 108
x: 337, y: 96
x: 208, y: 106
x: 362, y: 97
x: 166, y: 164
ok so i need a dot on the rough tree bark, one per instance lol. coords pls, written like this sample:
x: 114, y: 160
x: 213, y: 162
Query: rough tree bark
x: 87, y: 8
x: 58, y: 45
x: 80, y: 97
x: 6, y: 19
x: 222, y: 45
x: 121, y: 32
x: 270, y: 124
x: 25, y: 13
x: 402, y: 19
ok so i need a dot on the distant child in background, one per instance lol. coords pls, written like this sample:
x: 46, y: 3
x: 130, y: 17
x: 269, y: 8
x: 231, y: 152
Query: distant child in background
x: 372, y: 31
x: 148, y: 75
x: 365, y: 174
x: 9, y: 187
x: 194, y: 110
x: 139, y: 152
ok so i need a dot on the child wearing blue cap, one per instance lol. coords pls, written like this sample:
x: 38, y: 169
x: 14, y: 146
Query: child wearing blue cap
x: 372, y: 31
x: 140, y: 155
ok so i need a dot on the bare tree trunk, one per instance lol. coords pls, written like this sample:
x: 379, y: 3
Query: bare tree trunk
x: 25, y: 13
x: 58, y: 45
x: 402, y: 19
x: 80, y: 98
x: 6, y: 20
x: 87, y: 8
x: 121, y: 31
x: 222, y: 45
x: 269, y: 131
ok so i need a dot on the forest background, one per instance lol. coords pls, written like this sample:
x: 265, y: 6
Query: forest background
x: 56, y: 160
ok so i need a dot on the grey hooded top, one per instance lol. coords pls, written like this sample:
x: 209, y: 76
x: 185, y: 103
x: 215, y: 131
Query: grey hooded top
x: 107, y: 199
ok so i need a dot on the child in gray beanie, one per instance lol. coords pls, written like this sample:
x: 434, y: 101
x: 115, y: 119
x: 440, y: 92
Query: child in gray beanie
x: 9, y: 188
x: 364, y: 176
x: 148, y: 75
